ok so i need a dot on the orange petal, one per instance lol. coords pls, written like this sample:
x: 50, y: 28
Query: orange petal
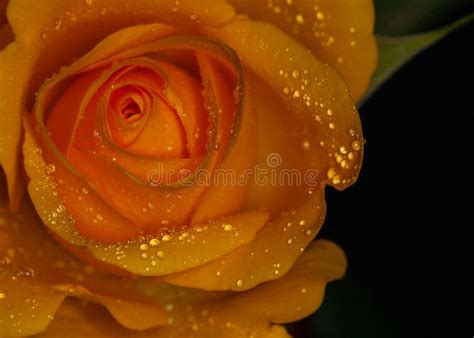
x: 34, y: 267
x: 315, y: 93
x: 301, y: 291
x: 183, y: 249
x: 26, y: 308
x: 89, y: 320
x: 133, y: 315
x: 339, y: 32
x: 228, y: 190
x: 287, y: 171
x: 272, y: 253
x: 51, y: 23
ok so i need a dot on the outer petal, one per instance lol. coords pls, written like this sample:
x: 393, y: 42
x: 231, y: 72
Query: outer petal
x: 26, y: 308
x: 36, y: 275
x: 339, y: 32
x: 89, y: 320
x: 182, y: 250
x: 268, y: 257
x: 316, y: 95
x: 301, y: 291
x: 42, y: 26
x: 206, y: 314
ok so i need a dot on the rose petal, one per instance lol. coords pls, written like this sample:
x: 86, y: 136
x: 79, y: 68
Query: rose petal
x: 34, y: 267
x: 301, y: 291
x: 272, y: 253
x: 26, y: 308
x: 339, y: 32
x: 226, y: 194
x: 43, y: 26
x: 316, y: 94
x: 290, y: 171
x: 133, y: 315
x: 89, y: 320
x: 184, y: 249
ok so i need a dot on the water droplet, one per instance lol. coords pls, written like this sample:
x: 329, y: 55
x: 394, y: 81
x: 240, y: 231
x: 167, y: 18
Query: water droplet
x: 144, y: 247
x: 57, y: 24
x: 320, y: 15
x: 50, y: 168
x: 300, y: 19
x: 356, y: 145
x: 331, y: 173
x: 336, y: 179
x: 160, y: 254
x: 302, y: 222
x: 332, y: 125
x: 228, y: 227
x: 154, y: 242
x: 3, y: 295
x: 166, y: 238
x: 240, y: 283
x: 306, y: 145
x: 296, y: 74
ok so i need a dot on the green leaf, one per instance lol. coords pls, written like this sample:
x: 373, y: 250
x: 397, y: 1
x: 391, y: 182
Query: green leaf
x: 403, y: 17
x: 394, y: 52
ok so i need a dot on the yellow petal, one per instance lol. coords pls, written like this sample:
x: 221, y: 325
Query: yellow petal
x: 85, y: 320
x: 301, y: 291
x: 171, y: 253
x: 26, y: 308
x: 272, y: 253
x: 316, y: 95
x: 195, y: 313
x: 89, y: 320
x: 32, y: 260
x: 131, y: 314
x: 339, y: 32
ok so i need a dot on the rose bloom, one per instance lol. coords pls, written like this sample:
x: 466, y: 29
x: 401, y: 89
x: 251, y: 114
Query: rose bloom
x: 110, y: 114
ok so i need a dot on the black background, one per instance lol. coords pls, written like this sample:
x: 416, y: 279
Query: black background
x: 405, y: 224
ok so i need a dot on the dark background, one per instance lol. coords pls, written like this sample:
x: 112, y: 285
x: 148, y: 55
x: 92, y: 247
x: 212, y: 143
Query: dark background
x: 405, y: 224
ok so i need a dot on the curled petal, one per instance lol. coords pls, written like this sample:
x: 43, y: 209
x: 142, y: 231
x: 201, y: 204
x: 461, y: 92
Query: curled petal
x: 25, y: 64
x: 90, y: 320
x: 26, y: 308
x: 316, y: 94
x: 36, y: 275
x: 272, y: 253
x: 183, y: 249
x: 339, y: 32
x: 301, y: 291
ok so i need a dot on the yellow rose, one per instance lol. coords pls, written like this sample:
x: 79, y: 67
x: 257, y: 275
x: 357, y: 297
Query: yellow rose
x: 180, y: 151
